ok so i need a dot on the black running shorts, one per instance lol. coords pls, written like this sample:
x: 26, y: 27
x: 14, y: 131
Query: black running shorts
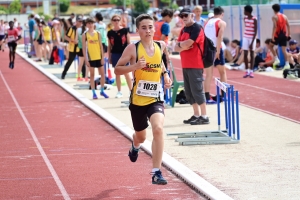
x: 95, y: 63
x: 141, y: 114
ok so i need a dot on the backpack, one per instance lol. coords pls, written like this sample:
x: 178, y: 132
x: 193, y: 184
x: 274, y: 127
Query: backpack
x: 208, y: 55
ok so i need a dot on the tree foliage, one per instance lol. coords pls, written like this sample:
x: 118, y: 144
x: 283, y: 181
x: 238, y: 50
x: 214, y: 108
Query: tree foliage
x: 3, y: 10
x: 64, y: 5
x: 15, y: 7
x: 120, y: 2
x: 141, y: 6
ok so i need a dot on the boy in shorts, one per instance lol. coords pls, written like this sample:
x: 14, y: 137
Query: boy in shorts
x: 94, y: 56
x: 12, y: 37
x: 147, y: 95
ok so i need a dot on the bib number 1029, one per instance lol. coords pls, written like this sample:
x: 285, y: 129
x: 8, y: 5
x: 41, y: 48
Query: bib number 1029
x: 150, y: 86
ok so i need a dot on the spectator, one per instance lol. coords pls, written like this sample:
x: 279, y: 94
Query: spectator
x: 232, y: 52
x: 261, y: 63
x: 198, y: 19
x: 190, y: 40
x: 293, y: 54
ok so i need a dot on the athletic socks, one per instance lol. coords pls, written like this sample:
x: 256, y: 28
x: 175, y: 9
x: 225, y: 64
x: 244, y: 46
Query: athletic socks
x: 94, y: 93
x: 102, y: 89
x: 154, y: 170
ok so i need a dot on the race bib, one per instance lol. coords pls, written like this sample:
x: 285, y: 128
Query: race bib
x: 11, y: 38
x: 148, y: 89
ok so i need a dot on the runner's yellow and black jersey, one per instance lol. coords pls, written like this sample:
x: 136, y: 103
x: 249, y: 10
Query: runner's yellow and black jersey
x: 93, y: 46
x: 150, y: 74
x: 72, y: 47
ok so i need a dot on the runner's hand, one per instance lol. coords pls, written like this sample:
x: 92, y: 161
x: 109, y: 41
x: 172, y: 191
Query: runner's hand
x: 102, y: 62
x: 168, y: 81
x: 141, y: 63
x: 87, y: 63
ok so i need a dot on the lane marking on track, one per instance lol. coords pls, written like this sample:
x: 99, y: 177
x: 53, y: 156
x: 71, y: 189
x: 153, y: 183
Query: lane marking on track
x: 39, y: 146
x: 268, y: 90
x: 257, y: 87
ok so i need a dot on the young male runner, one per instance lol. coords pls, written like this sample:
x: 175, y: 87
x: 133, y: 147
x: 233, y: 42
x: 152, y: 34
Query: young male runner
x: 93, y: 53
x: 146, y: 99
x: 12, y: 38
x: 214, y: 30
x: 280, y: 35
x: 249, y: 41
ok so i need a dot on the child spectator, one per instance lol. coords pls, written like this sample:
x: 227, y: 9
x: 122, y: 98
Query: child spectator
x: 293, y: 54
x: 266, y: 62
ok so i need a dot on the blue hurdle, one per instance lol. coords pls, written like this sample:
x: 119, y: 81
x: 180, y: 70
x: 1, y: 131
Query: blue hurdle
x: 231, y: 133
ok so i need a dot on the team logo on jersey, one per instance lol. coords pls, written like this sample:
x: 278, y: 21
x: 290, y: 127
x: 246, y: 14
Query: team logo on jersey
x: 151, y: 67
x: 93, y: 41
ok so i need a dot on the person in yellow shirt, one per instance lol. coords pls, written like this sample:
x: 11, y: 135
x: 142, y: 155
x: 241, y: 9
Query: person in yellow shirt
x: 72, y: 46
x: 47, y: 45
x: 94, y: 56
x: 146, y: 99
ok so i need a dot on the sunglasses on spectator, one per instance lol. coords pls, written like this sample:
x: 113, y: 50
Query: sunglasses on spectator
x: 183, y: 15
x: 116, y: 20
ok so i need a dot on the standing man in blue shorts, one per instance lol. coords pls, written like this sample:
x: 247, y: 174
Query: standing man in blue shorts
x: 214, y: 30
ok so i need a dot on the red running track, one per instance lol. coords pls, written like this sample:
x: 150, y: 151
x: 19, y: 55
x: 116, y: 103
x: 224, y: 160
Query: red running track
x: 276, y: 96
x: 88, y: 155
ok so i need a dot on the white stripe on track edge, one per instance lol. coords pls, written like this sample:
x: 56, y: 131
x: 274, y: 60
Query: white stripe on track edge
x: 39, y: 146
x: 189, y: 176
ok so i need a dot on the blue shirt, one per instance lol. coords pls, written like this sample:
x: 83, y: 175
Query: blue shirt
x: 31, y: 25
x: 295, y: 51
x: 200, y: 22
x: 165, y: 29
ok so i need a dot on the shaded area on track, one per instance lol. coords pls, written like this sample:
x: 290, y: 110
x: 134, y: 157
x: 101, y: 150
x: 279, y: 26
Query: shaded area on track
x: 89, y: 155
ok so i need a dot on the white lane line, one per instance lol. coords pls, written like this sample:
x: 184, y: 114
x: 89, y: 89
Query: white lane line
x: 261, y: 88
x: 257, y: 87
x: 39, y: 146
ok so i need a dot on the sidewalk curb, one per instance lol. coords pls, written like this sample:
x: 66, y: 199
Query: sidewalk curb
x: 190, y: 177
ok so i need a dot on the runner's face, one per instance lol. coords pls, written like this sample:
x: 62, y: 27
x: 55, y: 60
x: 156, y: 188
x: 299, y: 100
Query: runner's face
x: 146, y: 29
x: 90, y: 25
x: 198, y: 12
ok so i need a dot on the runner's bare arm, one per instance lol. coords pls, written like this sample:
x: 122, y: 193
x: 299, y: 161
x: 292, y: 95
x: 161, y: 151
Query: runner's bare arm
x: 274, y: 19
x: 101, y: 49
x: 127, y: 56
x: 222, y: 26
x: 287, y: 26
x: 255, y: 31
x: 87, y: 63
x: 128, y: 38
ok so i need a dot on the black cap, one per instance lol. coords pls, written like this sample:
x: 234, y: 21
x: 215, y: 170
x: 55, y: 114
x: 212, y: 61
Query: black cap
x: 185, y: 11
x: 72, y: 14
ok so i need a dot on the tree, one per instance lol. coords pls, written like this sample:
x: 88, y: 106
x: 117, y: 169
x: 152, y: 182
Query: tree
x: 15, y: 7
x: 64, y: 5
x: 141, y: 6
x: 3, y: 10
x: 119, y: 2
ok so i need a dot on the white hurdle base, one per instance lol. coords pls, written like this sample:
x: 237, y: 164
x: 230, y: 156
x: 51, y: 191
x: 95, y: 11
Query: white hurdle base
x: 204, y: 138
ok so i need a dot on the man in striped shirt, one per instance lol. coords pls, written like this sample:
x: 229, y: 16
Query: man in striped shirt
x: 249, y: 40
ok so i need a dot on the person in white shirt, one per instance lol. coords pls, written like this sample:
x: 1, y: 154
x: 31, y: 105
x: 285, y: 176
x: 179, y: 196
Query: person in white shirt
x: 214, y: 30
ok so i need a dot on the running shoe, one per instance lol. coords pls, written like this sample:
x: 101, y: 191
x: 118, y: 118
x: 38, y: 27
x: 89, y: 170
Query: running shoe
x: 104, y: 95
x: 119, y: 95
x: 133, y: 153
x: 200, y: 120
x: 246, y: 75
x: 12, y: 65
x: 210, y: 101
x: 158, y: 179
x: 286, y: 66
x: 188, y: 121
x: 251, y: 75
x: 95, y: 96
